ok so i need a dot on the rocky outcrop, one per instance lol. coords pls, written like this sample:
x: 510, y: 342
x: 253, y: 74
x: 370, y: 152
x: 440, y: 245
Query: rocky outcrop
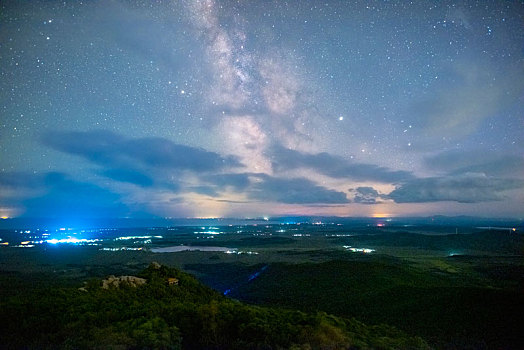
x: 113, y: 281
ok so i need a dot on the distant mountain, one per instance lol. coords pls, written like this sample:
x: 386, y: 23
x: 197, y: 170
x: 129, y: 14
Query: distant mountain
x: 54, y: 223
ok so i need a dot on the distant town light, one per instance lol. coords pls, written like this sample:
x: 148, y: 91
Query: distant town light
x: 359, y: 250
x: 125, y: 238
x: 208, y: 232
x: 71, y: 240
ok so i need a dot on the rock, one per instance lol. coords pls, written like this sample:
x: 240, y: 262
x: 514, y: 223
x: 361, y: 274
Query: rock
x: 117, y: 281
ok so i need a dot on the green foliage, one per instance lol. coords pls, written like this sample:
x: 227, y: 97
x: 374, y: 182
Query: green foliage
x: 448, y: 312
x: 157, y: 315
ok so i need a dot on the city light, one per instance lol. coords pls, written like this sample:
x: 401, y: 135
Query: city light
x: 359, y: 250
x: 71, y: 240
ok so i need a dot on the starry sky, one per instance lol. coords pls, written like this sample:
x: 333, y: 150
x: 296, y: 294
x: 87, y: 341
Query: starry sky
x: 261, y: 108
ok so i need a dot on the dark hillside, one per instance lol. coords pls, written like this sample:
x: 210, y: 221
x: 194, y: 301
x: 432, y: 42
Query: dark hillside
x: 172, y: 310
x: 448, y: 312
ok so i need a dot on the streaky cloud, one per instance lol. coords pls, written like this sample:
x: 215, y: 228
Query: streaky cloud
x: 293, y: 191
x: 334, y: 166
x: 464, y: 188
x: 205, y: 190
x: 236, y: 181
x: 68, y: 198
x: 21, y: 180
x: 107, y: 148
x: 128, y: 175
x: 479, y: 161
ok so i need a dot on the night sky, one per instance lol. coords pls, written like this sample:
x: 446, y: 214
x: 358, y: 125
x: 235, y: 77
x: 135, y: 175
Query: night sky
x: 261, y: 108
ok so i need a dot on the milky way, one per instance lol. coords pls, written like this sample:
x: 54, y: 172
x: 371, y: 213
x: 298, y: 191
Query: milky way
x: 261, y: 108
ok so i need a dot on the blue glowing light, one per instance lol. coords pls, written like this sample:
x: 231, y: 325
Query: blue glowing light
x: 256, y: 274
x: 71, y: 240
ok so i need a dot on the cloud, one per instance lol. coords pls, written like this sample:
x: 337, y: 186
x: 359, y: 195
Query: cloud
x: 263, y: 187
x: 293, y: 191
x: 464, y: 188
x: 130, y: 176
x: 67, y: 198
x: 334, y: 166
x: 215, y: 184
x: 16, y: 186
x: 162, y: 153
x: 125, y: 155
x: 481, y: 161
x: 20, y: 180
x: 366, y: 195
x: 236, y: 181
x: 205, y: 190
x: 230, y: 201
x: 142, y: 162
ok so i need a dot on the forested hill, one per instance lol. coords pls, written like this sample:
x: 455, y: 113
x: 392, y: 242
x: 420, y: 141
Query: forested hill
x: 183, y: 314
